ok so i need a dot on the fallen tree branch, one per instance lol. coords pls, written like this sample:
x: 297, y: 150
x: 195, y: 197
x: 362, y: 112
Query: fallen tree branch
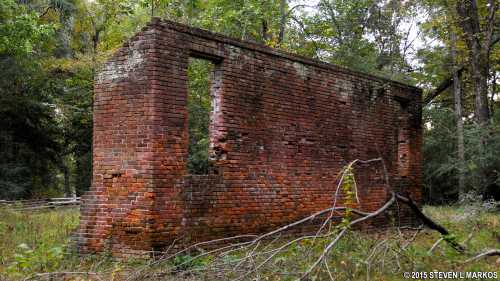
x: 268, y: 255
x: 430, y: 223
x: 257, y: 258
x: 48, y: 275
x: 344, y: 230
x: 341, y: 180
x: 186, y: 250
x: 317, y: 214
x: 445, y: 84
x: 254, y: 241
x: 487, y: 253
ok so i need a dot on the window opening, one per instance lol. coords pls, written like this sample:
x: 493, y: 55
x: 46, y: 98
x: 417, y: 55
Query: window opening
x: 200, y: 73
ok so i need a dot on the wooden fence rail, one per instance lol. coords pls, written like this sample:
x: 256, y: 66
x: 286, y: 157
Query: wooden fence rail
x: 39, y: 204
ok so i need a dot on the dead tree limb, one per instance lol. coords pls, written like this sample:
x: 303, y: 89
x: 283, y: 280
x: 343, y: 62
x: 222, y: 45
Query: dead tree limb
x: 339, y: 184
x: 430, y: 223
x: 448, y: 81
x: 336, y: 236
x: 344, y: 230
x: 487, y: 253
x: 254, y: 242
x: 51, y: 275
x: 445, y: 84
x: 426, y: 220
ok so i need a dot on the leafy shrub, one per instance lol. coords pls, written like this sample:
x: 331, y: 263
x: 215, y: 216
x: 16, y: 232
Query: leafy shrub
x: 31, y: 260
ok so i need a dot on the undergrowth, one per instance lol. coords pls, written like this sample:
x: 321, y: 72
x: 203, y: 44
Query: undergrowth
x: 32, y: 243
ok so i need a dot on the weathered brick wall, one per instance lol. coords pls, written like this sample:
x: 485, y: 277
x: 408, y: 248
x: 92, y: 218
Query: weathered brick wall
x: 282, y: 127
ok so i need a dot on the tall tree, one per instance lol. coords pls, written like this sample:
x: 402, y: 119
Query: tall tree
x: 457, y: 101
x: 28, y: 128
x: 480, y: 38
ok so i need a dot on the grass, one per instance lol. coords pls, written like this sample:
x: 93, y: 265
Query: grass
x: 37, y: 231
x: 37, y: 242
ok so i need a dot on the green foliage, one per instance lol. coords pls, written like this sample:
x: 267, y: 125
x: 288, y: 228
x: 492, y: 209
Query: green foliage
x: 364, y: 35
x: 51, y: 50
x: 20, y: 32
x: 28, y: 131
x: 246, y: 19
x: 29, y: 261
x: 441, y: 160
x: 348, y: 188
x: 34, y: 242
x: 440, y: 182
x: 384, y: 255
x: 482, y: 146
x: 186, y: 262
x: 341, y: 25
x: 199, y: 106
x: 45, y: 111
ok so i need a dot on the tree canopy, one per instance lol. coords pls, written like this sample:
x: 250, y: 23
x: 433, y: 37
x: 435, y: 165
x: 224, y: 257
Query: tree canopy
x: 50, y: 51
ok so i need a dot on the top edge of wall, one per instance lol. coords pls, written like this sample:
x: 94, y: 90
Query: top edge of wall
x: 268, y: 50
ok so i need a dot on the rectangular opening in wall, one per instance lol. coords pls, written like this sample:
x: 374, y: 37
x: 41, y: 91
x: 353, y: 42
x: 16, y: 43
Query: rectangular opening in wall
x: 200, y: 77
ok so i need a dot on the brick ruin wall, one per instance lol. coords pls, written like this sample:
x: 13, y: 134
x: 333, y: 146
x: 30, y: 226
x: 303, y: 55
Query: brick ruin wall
x: 281, y: 129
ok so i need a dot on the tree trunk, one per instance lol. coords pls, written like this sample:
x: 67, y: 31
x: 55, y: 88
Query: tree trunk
x: 479, y: 38
x: 67, y: 188
x: 493, y: 94
x: 479, y: 69
x: 479, y: 57
x: 264, y: 30
x: 283, y: 13
x: 457, y: 97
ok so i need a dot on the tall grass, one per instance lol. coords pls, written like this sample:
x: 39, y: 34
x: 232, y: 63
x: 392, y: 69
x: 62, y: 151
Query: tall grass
x: 37, y: 238
x: 32, y: 243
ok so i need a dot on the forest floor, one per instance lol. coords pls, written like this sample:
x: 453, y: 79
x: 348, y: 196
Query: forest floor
x: 34, y: 243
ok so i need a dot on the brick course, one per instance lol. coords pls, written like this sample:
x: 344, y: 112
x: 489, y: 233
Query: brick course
x: 282, y: 127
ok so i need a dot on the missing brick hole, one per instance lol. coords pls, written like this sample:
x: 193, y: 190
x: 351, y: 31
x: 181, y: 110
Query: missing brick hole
x: 202, y: 105
x: 403, y: 102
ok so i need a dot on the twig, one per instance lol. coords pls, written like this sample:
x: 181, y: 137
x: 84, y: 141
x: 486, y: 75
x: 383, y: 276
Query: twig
x: 246, y: 257
x: 276, y: 251
x: 328, y: 270
x: 344, y: 230
x: 343, y: 173
x: 435, y: 245
x: 48, y: 274
x: 466, y: 240
x: 408, y: 242
x: 487, y: 253
x: 372, y: 254
x: 132, y: 276
x: 359, y: 212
